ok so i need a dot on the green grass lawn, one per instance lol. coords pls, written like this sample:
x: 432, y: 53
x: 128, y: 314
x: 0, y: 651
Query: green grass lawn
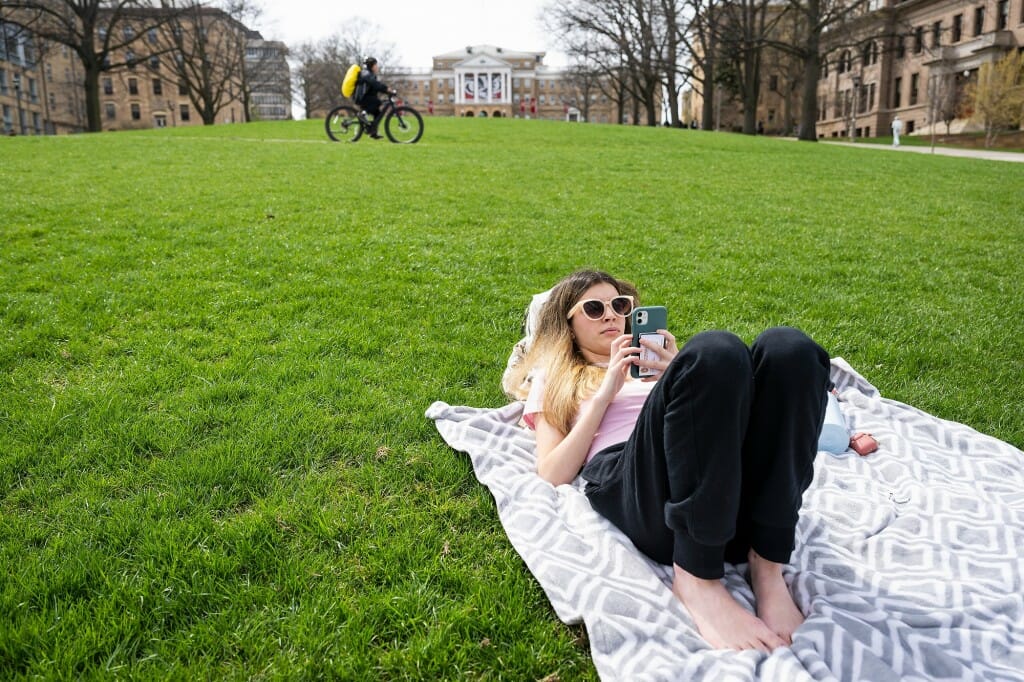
x: 217, y: 346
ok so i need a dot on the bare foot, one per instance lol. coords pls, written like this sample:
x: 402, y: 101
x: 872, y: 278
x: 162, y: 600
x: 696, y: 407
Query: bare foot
x: 775, y: 604
x: 721, y: 621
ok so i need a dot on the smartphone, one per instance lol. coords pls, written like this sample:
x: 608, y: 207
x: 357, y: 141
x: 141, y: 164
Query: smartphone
x: 645, y: 322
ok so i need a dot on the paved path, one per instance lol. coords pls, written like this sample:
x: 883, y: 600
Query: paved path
x: 991, y: 155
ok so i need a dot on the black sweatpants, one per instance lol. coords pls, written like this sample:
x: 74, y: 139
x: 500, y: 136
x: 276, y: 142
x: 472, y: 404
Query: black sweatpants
x: 371, y: 105
x: 721, y: 453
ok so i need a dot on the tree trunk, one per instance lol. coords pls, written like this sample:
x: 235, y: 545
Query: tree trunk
x: 650, y: 103
x: 94, y: 122
x: 751, y: 88
x: 707, y: 114
x: 809, y: 101
x: 812, y: 69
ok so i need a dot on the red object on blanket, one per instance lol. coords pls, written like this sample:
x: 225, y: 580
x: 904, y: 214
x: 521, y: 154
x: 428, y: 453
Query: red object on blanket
x: 863, y: 443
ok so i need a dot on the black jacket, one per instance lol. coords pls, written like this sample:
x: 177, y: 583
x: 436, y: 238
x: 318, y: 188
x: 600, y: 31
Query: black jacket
x: 368, y: 86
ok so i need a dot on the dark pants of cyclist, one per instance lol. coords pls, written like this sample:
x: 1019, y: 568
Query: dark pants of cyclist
x: 371, y: 105
x: 721, y: 453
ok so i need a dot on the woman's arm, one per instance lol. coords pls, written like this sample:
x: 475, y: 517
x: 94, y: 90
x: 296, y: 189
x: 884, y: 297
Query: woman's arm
x: 560, y: 456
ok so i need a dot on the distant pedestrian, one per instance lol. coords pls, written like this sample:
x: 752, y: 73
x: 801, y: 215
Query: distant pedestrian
x: 760, y: 127
x: 897, y: 128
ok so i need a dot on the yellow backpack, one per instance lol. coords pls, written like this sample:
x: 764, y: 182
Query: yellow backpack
x: 348, y: 86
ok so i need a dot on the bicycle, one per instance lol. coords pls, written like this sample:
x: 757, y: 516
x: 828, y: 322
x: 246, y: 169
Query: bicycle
x: 402, y: 123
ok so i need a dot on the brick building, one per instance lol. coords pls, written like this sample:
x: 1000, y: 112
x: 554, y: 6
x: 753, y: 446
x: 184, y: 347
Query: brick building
x: 490, y: 81
x: 42, y: 83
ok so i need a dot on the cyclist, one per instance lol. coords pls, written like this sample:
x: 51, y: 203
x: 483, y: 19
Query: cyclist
x: 367, y: 88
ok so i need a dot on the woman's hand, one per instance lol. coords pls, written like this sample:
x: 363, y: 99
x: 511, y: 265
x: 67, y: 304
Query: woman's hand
x: 665, y: 354
x: 622, y: 357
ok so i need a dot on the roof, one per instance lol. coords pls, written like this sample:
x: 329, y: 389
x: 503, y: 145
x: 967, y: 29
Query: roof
x: 490, y: 50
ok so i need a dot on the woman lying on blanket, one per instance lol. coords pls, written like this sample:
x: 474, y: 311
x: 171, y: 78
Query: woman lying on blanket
x: 704, y: 463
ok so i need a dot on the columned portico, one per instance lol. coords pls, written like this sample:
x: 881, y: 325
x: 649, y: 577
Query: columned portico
x: 483, y: 85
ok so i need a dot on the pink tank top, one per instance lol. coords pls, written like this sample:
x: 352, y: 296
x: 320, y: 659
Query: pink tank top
x: 618, y: 421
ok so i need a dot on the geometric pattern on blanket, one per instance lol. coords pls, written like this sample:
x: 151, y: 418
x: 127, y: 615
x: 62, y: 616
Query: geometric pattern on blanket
x: 908, y: 562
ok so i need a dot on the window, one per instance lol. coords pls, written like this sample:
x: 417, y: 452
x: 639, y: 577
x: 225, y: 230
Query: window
x: 160, y: 121
x: 129, y: 58
x: 183, y: 112
x: 958, y: 27
x: 151, y: 35
x: 901, y: 47
x: 33, y: 91
x: 824, y: 69
x: 3, y: 82
x: 53, y: 100
x: 111, y: 111
x: 136, y: 112
x: 773, y: 83
x: 158, y: 86
x: 37, y: 123
x: 918, y: 39
x: 936, y: 34
x: 910, y: 127
x: 897, y: 87
x: 844, y: 61
x: 182, y: 90
x: 49, y: 72
x: 129, y: 32
x: 1002, y: 15
x: 979, y: 20
x: 108, y: 86
x: 8, y: 119
x: 154, y: 63
x: 914, y: 79
x: 133, y: 86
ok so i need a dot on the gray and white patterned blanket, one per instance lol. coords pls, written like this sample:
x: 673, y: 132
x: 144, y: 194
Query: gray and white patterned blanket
x: 908, y: 564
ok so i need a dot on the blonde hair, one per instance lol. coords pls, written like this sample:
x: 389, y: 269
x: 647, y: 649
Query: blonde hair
x: 569, y: 378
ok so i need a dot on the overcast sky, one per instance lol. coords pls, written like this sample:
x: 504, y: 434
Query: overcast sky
x: 419, y: 29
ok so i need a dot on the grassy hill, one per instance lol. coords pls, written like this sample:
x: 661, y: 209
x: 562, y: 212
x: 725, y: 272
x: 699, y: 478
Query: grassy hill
x: 217, y: 345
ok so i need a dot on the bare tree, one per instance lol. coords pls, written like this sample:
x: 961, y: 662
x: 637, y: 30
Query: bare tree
x: 743, y: 36
x: 817, y: 18
x: 106, y: 35
x: 628, y: 37
x: 785, y: 71
x: 585, y: 79
x: 209, y: 56
x: 942, y: 96
x: 673, y: 15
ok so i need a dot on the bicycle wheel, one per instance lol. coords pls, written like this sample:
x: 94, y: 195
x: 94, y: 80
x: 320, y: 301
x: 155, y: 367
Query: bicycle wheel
x: 404, y: 125
x: 343, y: 124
